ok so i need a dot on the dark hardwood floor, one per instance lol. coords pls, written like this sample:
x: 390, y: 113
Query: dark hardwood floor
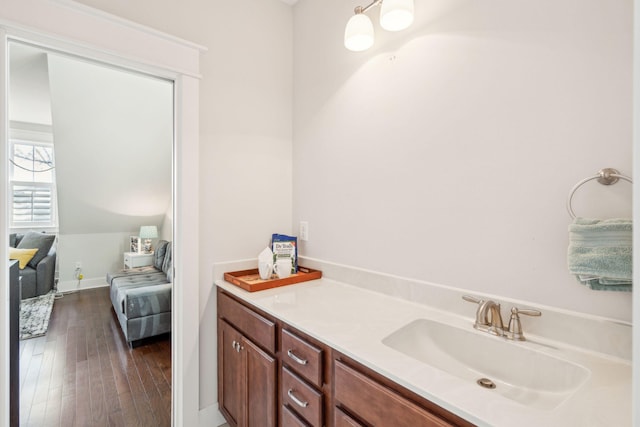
x: 82, y: 373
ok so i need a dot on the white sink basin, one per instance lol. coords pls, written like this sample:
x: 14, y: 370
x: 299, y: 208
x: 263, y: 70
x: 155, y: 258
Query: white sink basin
x: 527, y: 376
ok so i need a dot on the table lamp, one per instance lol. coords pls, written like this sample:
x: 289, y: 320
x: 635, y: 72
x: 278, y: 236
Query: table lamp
x: 148, y: 232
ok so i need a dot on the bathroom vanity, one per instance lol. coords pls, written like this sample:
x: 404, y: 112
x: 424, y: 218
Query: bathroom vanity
x: 318, y: 385
x: 326, y: 353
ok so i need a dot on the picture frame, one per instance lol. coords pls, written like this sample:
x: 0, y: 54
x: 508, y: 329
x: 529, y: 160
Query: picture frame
x: 134, y: 244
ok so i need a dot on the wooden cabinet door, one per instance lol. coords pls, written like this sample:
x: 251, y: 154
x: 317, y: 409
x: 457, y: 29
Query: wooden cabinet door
x: 262, y: 393
x: 247, y: 375
x: 231, y: 374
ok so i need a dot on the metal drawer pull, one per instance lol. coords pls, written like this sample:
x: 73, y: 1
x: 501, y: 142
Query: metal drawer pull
x: 297, y: 401
x: 296, y: 358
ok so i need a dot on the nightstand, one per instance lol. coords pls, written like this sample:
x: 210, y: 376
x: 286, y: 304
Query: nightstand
x: 134, y: 259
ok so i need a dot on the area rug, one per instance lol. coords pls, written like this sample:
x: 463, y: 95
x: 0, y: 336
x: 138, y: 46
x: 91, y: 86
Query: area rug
x: 34, y: 315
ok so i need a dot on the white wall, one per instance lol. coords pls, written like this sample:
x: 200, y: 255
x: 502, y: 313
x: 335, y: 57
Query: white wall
x: 113, y: 136
x: 447, y: 151
x: 245, y: 133
x: 98, y: 254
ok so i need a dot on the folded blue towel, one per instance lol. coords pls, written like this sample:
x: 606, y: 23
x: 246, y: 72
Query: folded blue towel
x: 600, y: 253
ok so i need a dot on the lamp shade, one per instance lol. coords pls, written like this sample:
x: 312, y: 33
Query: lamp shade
x: 358, y: 34
x: 148, y: 232
x: 396, y: 15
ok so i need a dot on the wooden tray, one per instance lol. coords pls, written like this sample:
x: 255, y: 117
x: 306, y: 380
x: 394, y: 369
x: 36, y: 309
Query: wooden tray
x: 250, y: 280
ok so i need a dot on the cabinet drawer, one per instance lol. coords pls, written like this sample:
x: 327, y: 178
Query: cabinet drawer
x: 290, y: 419
x: 302, y: 357
x: 302, y: 398
x: 259, y: 329
x: 340, y: 419
x: 376, y: 404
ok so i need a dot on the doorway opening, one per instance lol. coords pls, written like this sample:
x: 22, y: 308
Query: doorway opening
x: 111, y: 133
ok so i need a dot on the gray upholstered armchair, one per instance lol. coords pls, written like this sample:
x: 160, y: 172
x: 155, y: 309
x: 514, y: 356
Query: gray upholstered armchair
x: 38, y: 277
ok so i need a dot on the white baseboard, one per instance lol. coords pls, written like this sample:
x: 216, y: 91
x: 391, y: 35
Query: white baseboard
x: 211, y: 416
x: 74, y: 285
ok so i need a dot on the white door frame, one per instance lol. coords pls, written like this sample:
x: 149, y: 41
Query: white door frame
x: 84, y: 32
x: 635, y: 381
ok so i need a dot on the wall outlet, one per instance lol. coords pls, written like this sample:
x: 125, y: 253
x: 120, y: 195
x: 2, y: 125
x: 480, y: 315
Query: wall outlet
x: 78, y: 264
x: 304, y: 231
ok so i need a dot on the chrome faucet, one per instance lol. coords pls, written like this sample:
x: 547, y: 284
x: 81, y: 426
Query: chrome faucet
x: 489, y: 312
x: 488, y: 316
x: 489, y: 319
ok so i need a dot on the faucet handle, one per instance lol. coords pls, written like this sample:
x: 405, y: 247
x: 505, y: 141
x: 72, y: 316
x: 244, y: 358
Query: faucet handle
x: 473, y: 299
x: 526, y: 311
x: 514, y: 332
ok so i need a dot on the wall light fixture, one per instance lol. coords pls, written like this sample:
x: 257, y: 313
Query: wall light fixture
x: 395, y: 15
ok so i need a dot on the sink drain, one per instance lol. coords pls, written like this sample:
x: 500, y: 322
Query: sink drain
x: 486, y: 383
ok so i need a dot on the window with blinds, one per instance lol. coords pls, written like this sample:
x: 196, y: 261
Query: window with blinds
x: 32, y: 203
x: 32, y: 184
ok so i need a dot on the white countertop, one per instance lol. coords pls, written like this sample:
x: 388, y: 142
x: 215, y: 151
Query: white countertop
x: 354, y: 321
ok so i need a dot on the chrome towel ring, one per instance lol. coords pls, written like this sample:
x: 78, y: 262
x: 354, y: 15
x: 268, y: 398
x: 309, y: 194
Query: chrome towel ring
x: 607, y: 176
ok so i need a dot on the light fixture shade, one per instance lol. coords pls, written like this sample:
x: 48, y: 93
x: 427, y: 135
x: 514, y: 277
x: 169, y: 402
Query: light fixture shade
x: 148, y: 232
x: 358, y: 34
x: 396, y: 15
